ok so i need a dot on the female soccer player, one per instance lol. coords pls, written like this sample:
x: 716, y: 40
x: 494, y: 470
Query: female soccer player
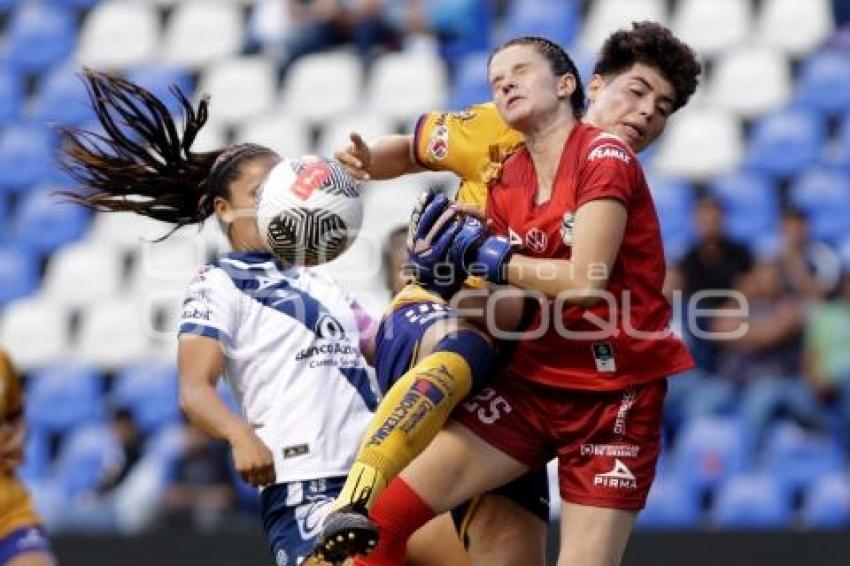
x: 287, y: 339
x: 22, y: 540
x: 472, y: 144
x: 590, y: 389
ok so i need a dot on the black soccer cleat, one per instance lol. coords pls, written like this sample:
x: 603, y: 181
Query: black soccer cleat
x: 347, y: 532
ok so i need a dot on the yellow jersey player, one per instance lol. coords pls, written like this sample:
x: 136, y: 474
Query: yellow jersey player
x: 22, y: 540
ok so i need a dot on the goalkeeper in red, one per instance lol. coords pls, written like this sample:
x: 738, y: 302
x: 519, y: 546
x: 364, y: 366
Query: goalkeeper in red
x: 590, y: 390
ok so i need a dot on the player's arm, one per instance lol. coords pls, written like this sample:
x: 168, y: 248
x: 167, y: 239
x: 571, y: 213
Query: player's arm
x: 598, y: 233
x: 201, y: 362
x: 386, y: 157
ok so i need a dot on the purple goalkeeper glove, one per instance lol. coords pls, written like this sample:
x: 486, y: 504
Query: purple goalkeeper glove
x: 433, y: 226
x: 480, y: 254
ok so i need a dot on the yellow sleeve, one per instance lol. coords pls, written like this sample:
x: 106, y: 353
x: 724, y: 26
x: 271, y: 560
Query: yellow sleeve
x: 470, y: 144
x: 11, y: 399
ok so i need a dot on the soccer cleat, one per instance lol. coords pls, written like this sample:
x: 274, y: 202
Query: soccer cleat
x: 347, y: 532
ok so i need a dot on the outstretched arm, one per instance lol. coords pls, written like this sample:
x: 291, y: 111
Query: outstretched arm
x: 387, y: 157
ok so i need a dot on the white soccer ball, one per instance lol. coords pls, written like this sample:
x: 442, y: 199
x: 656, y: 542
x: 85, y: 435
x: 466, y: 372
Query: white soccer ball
x: 309, y: 210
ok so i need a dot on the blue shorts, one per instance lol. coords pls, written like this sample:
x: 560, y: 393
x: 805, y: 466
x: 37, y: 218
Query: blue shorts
x: 22, y: 541
x: 397, y: 347
x: 293, y: 514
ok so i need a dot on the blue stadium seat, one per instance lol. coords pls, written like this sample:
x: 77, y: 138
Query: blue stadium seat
x: 11, y: 95
x: 674, y: 202
x: 558, y: 20
x: 72, y: 3
x: 62, y: 397
x: 825, y: 196
x: 44, y: 222
x: 159, y: 78
x: 39, y: 36
x: 19, y: 273
x: 37, y: 460
x: 470, y: 82
x: 827, y: 502
x: 785, y: 143
x: 824, y: 82
x: 87, y: 455
x: 672, y: 504
x: 841, y: 157
x: 794, y: 456
x: 750, y: 202
x: 150, y: 392
x: 26, y: 150
x: 709, y: 449
x: 752, y: 501
x: 61, y: 98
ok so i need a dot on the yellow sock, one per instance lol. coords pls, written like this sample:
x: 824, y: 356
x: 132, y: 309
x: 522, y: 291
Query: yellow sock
x: 415, y: 408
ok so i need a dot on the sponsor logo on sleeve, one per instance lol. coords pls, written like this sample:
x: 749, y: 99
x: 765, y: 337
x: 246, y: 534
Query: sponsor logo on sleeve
x: 567, y: 226
x: 609, y: 150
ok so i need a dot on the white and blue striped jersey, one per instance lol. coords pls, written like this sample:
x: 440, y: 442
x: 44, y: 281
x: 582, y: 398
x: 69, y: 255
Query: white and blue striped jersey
x: 291, y: 342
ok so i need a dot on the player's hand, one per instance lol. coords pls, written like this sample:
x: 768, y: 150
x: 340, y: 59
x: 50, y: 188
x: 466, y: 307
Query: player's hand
x: 433, y: 225
x: 356, y: 158
x: 479, y: 253
x: 252, y: 459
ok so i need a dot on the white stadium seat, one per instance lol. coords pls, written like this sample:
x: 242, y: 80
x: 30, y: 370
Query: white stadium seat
x: 167, y: 266
x: 404, y: 85
x: 369, y: 125
x: 126, y: 230
x: 119, y: 34
x: 240, y: 88
x: 795, y: 26
x: 113, y: 334
x: 35, y: 331
x: 715, y: 26
x: 203, y: 32
x: 84, y: 272
x: 699, y: 143
x: 607, y: 16
x: 286, y: 134
x: 751, y: 81
x: 320, y: 86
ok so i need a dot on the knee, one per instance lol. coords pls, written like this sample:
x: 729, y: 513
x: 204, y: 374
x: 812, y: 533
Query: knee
x: 500, y: 529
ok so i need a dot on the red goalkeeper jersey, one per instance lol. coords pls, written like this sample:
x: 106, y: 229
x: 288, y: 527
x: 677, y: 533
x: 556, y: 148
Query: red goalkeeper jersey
x: 577, y: 350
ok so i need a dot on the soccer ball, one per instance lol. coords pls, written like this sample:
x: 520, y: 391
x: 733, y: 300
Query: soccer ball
x: 309, y: 210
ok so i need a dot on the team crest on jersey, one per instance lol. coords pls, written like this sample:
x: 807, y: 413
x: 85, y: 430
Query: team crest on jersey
x: 536, y: 240
x: 329, y: 328
x: 438, y: 145
x: 611, y: 150
x: 567, y: 226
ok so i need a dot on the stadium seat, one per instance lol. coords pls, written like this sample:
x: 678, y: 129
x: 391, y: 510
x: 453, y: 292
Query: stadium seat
x: 794, y: 456
x: 119, y: 34
x: 335, y: 134
x: 558, y: 20
x: 672, y: 504
x: 826, y: 504
x: 64, y: 396
x: 824, y: 82
x: 39, y: 36
x: 403, y: 85
x: 712, y: 27
x: 202, y: 32
x: 470, y: 85
x: 240, y: 88
x: 793, y: 26
x: 44, y: 222
x: 750, y: 203
x: 709, y: 449
x: 113, y: 334
x: 77, y: 4
x: 785, y: 143
x: 149, y: 391
x: 699, y: 143
x: 25, y: 149
x: 11, y: 95
x: 606, y: 16
x: 159, y: 79
x: 168, y: 265
x: 750, y: 81
x: 35, y: 332
x: 83, y: 273
x: 19, y: 273
x: 126, y: 230
x: 61, y: 98
x: 268, y: 26
x: 321, y: 86
x: 674, y: 202
x: 287, y: 134
x: 37, y: 461
x: 825, y: 196
x: 85, y: 459
x: 752, y: 501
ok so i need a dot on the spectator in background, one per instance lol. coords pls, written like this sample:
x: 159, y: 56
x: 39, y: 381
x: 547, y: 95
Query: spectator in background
x: 202, y: 492
x: 714, y: 262
x: 395, y: 259
x: 130, y: 440
x: 810, y: 269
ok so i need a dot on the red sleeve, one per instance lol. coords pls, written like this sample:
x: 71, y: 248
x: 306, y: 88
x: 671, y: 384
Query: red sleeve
x: 609, y: 169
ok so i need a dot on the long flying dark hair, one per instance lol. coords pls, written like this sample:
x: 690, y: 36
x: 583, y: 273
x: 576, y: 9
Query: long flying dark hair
x: 143, y: 161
